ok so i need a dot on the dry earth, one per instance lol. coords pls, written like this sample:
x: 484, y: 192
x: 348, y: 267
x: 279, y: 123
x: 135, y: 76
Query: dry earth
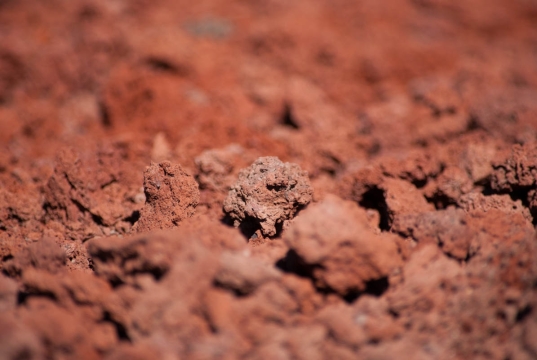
x: 399, y: 224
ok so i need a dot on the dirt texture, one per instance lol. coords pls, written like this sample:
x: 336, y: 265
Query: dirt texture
x: 171, y: 195
x: 268, y: 179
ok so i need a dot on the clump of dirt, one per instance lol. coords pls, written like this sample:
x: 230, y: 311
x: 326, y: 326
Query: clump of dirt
x: 333, y: 239
x: 267, y: 194
x: 171, y: 196
x: 88, y: 189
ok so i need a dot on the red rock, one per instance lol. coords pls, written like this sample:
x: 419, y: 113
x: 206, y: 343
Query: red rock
x: 519, y: 170
x: 268, y: 193
x: 171, y: 196
x: 334, y: 238
x: 421, y: 114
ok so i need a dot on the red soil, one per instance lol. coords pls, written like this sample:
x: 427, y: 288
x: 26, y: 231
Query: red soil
x: 125, y: 124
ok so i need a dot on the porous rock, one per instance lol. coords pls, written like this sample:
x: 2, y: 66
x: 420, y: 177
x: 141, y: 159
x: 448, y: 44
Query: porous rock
x: 268, y: 193
x: 171, y: 196
x: 518, y: 170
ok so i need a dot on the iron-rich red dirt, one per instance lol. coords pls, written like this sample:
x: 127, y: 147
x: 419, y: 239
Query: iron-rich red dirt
x: 125, y: 124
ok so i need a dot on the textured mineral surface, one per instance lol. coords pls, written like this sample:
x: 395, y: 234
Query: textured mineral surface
x: 129, y: 133
x: 171, y: 196
x: 268, y: 193
x: 334, y: 239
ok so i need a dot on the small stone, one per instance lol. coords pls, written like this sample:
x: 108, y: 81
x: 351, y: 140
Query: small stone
x: 268, y: 193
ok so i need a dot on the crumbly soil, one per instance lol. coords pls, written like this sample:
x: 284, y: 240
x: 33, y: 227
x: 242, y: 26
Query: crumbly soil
x: 124, y: 125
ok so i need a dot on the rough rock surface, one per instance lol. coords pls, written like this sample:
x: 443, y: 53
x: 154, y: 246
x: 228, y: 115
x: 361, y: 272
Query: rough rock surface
x: 268, y: 193
x: 171, y: 196
x: 90, y: 187
x: 519, y: 170
x: 334, y: 238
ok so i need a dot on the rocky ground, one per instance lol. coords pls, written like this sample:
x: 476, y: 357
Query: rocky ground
x: 325, y: 179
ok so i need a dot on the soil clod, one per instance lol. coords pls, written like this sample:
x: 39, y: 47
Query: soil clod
x: 268, y: 193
